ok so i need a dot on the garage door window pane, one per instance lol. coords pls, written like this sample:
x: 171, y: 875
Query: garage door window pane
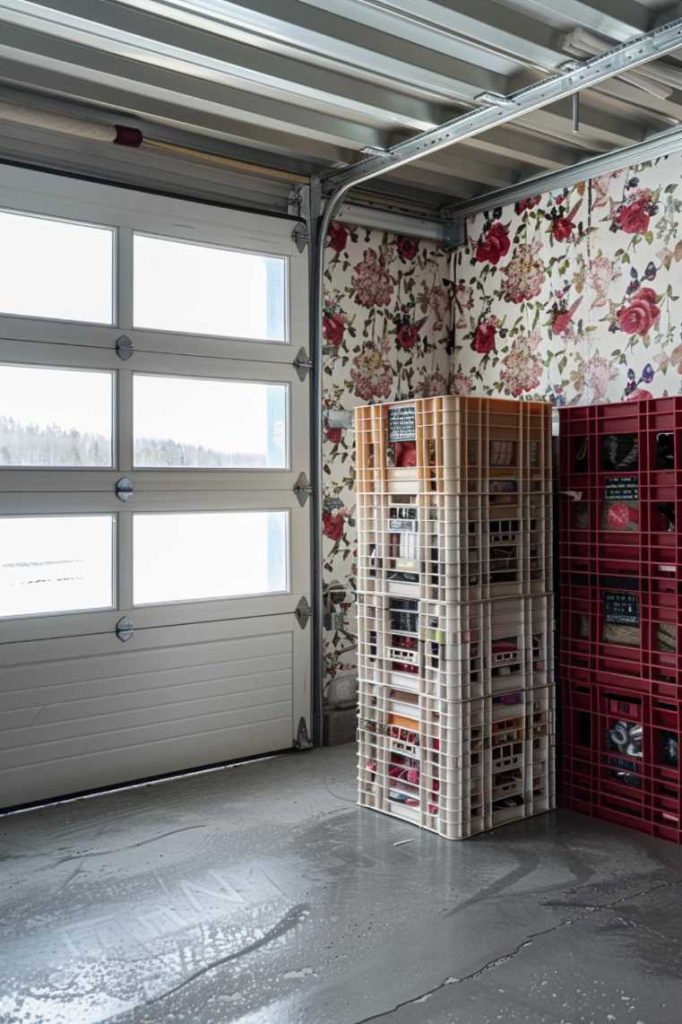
x: 56, y: 269
x: 201, y: 289
x: 55, y: 564
x: 52, y: 417
x: 209, y: 424
x: 206, y: 555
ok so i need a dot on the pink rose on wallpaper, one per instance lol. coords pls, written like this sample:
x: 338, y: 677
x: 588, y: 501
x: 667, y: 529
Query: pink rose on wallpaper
x: 640, y: 313
x: 596, y: 374
x: 433, y: 384
x: 634, y: 214
x: 332, y: 525
x: 439, y: 303
x: 333, y: 327
x: 333, y: 434
x: 407, y: 247
x: 485, y: 336
x: 337, y: 236
x: 522, y: 367
x: 527, y: 204
x: 600, y: 274
x: 524, y: 274
x: 407, y: 335
x: 371, y: 375
x: 493, y: 244
x: 371, y: 281
x: 461, y: 383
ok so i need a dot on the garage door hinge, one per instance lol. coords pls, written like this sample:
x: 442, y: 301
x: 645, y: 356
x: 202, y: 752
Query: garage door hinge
x: 301, y: 236
x: 302, y: 740
x: 302, y: 489
x: 124, y: 629
x: 303, y: 613
x: 303, y: 364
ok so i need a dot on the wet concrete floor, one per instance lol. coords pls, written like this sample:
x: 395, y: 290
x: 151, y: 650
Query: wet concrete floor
x: 262, y: 894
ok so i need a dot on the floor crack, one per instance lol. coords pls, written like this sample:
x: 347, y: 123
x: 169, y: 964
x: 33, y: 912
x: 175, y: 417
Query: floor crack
x: 504, y: 958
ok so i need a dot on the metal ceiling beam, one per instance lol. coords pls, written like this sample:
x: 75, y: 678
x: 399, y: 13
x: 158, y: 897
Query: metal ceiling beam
x: 295, y: 29
x: 523, y: 145
x: 170, y: 44
x: 599, y: 69
x: 662, y: 145
x: 482, y: 24
x: 38, y: 54
x: 620, y: 20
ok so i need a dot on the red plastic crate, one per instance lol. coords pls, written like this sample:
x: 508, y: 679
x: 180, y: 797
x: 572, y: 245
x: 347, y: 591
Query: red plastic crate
x: 626, y: 625
x: 620, y: 497
x: 620, y: 757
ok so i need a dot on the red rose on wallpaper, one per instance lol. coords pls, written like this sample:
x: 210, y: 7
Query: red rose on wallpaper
x: 407, y: 335
x: 333, y: 327
x: 337, y: 236
x: 640, y: 314
x: 332, y: 525
x: 527, y: 204
x: 407, y: 247
x: 371, y: 281
x: 485, y: 336
x: 562, y: 228
x: 493, y: 244
x: 633, y: 216
x: 562, y: 319
x: 333, y: 434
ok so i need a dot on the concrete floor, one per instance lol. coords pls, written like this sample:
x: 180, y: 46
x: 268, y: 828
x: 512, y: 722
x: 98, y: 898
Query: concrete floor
x: 261, y: 894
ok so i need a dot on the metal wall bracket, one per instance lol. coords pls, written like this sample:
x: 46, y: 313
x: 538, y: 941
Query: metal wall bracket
x: 301, y: 236
x: 124, y: 488
x: 303, y: 613
x: 302, y: 489
x: 124, y: 629
x: 303, y: 364
x: 302, y: 740
x: 124, y: 347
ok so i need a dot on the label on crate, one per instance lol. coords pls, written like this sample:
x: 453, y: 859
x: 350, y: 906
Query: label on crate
x: 403, y: 525
x: 621, y: 488
x: 402, y: 423
x: 621, y: 609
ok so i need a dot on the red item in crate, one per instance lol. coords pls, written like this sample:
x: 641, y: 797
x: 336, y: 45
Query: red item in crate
x: 620, y: 516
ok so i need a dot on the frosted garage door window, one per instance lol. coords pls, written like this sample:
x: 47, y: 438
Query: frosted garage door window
x: 200, y: 289
x: 55, y: 564
x: 185, y: 422
x: 51, y: 417
x: 207, y: 555
x: 56, y: 269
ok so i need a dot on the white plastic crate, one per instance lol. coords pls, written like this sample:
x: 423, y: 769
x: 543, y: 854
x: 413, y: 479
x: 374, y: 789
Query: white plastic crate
x: 465, y: 769
x: 455, y: 652
x: 448, y: 548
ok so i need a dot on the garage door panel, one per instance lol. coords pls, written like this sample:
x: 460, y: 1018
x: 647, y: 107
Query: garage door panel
x: 151, y: 627
x: 67, y: 677
x: 126, y: 705
x: 101, y: 723
x: 82, y: 771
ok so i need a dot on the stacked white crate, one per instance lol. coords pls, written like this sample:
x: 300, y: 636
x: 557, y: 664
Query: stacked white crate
x: 456, y: 695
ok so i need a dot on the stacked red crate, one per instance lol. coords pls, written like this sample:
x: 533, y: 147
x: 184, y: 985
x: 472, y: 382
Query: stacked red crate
x: 620, y: 597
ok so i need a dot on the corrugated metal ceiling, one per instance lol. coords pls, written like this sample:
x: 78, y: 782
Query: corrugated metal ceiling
x: 312, y: 84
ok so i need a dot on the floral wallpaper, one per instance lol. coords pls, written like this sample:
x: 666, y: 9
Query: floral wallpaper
x: 387, y: 334
x: 573, y: 295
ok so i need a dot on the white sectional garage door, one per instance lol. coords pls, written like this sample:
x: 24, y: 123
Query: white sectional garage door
x: 153, y: 551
